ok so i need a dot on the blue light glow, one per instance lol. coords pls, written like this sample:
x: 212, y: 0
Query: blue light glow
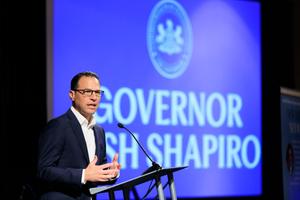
x: 208, y: 116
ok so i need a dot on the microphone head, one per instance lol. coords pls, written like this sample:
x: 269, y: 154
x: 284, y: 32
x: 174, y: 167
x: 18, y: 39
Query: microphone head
x: 120, y: 125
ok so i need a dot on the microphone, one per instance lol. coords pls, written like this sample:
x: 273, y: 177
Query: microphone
x: 154, y: 166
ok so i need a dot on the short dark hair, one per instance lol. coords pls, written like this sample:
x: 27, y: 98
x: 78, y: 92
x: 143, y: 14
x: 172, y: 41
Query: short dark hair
x: 75, y: 79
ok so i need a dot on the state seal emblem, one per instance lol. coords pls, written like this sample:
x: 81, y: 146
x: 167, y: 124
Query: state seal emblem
x: 169, y: 38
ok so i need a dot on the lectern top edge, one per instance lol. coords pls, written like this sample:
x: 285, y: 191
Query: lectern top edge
x: 135, y: 181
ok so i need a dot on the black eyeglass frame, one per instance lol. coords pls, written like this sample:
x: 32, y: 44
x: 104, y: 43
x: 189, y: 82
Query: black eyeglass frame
x: 89, y: 92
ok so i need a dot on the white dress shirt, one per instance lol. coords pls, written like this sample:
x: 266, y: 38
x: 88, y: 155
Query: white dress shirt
x: 88, y: 133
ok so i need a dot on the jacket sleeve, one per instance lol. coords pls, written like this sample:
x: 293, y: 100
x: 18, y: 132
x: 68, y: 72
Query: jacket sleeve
x: 51, y: 146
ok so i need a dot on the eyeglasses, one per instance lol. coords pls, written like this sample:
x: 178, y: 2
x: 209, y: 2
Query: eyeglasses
x: 88, y: 92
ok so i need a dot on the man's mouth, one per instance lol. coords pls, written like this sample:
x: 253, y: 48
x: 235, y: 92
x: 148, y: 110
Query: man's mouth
x: 92, y: 105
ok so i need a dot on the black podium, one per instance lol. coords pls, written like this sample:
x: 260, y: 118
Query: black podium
x: 126, y: 186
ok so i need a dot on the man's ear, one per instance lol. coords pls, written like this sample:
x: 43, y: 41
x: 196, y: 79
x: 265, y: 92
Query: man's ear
x: 72, y: 95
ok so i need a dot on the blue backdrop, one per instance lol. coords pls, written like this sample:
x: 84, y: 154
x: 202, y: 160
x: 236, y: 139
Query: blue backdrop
x: 184, y: 76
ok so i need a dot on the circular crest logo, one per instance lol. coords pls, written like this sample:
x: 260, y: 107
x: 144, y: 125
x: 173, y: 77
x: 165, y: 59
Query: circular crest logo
x: 169, y: 38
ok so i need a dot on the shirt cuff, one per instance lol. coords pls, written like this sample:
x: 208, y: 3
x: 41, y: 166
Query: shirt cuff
x: 82, y: 177
x: 114, y: 178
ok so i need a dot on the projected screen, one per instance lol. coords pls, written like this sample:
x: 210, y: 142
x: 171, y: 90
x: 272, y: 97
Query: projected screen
x: 183, y: 76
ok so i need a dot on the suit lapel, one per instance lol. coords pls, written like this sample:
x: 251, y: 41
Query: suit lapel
x: 99, y: 144
x: 79, y: 134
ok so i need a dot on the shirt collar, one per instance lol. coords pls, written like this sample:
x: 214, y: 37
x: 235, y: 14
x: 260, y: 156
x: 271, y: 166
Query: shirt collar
x: 82, y: 120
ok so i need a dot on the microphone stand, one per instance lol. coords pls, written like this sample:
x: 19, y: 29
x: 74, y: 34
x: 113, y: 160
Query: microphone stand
x: 155, y: 166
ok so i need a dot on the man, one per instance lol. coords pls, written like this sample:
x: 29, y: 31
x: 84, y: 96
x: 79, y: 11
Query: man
x: 72, y: 148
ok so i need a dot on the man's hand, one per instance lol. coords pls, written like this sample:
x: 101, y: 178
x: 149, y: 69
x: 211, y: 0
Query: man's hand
x: 115, y: 165
x: 101, y: 173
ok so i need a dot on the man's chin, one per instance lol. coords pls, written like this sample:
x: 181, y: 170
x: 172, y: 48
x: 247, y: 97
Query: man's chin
x: 91, y: 111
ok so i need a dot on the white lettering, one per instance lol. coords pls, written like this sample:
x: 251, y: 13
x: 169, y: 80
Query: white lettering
x: 132, y: 108
x: 216, y: 98
x: 192, y: 152
x: 161, y: 106
x: 222, y: 151
x: 170, y: 108
x: 126, y: 150
x: 256, y: 152
x: 178, y: 105
x: 169, y: 150
x: 152, y: 140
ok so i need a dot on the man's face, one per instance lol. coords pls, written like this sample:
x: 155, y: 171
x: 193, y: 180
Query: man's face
x: 86, y: 104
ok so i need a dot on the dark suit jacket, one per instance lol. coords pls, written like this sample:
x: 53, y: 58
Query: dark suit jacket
x: 62, y: 157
